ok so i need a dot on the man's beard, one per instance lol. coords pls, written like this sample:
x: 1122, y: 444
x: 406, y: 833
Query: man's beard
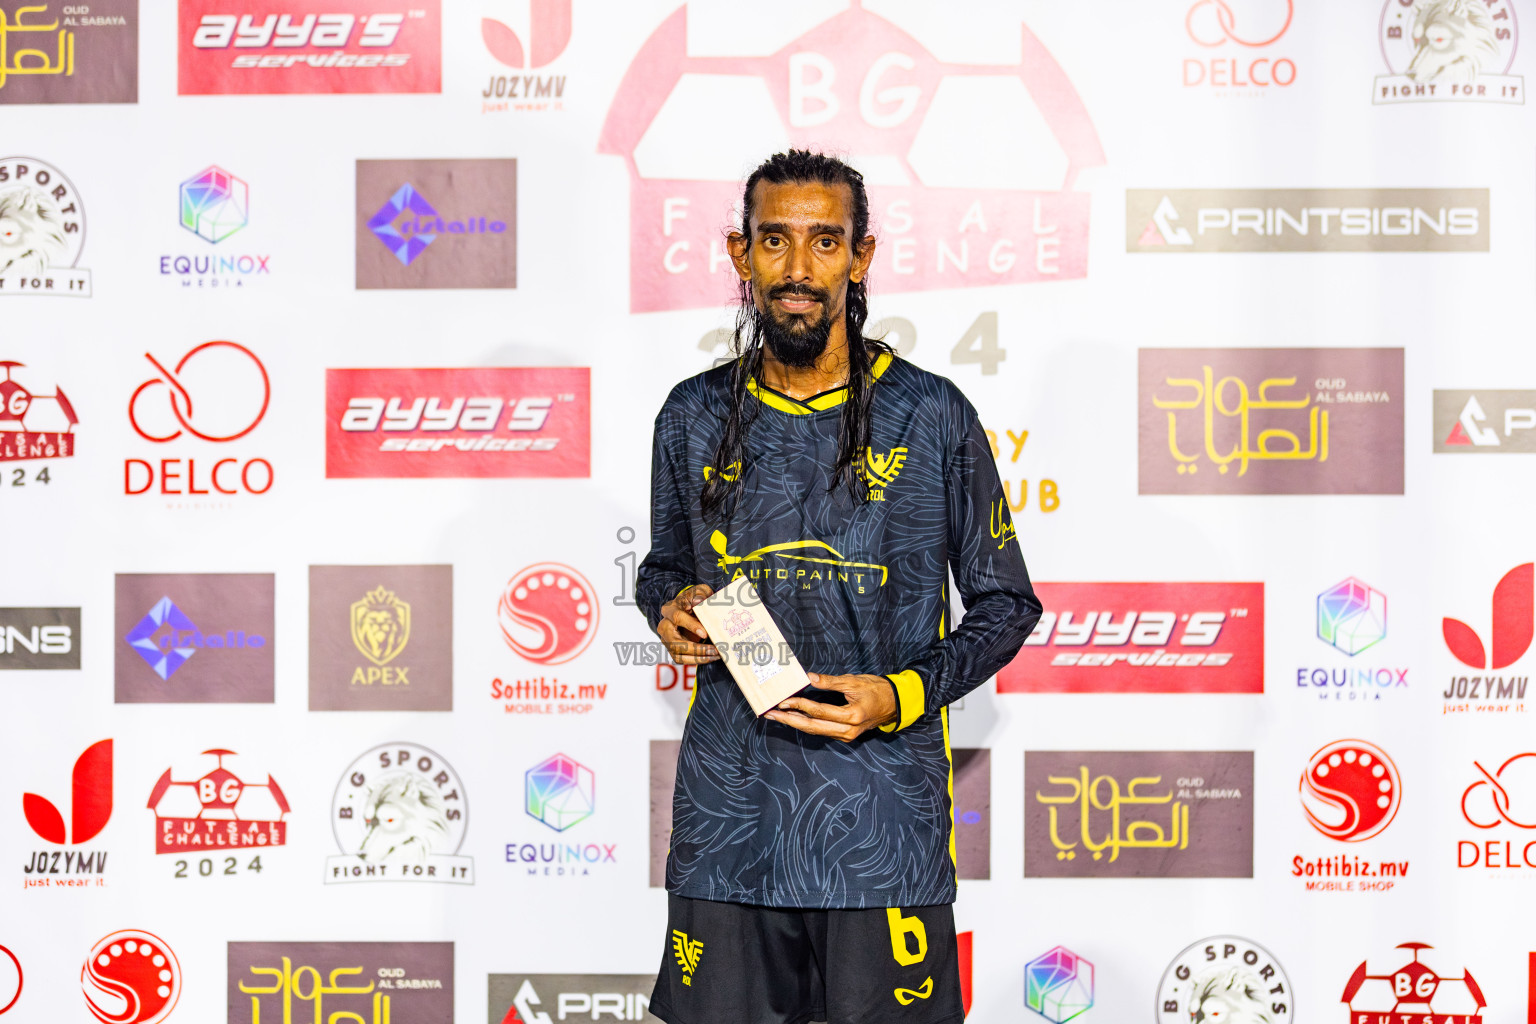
x: 795, y: 341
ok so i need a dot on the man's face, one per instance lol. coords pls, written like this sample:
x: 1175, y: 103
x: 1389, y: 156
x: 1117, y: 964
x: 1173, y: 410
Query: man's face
x: 799, y: 263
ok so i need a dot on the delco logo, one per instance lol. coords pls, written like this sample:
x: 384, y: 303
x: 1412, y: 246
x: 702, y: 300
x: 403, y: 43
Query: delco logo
x: 1143, y: 638
x: 220, y: 31
x: 458, y: 423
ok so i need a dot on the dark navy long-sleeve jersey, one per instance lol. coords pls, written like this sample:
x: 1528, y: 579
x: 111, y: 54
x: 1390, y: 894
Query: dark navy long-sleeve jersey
x: 767, y: 814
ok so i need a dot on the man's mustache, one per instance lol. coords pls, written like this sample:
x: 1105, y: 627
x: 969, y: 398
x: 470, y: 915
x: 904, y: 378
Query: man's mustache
x: 802, y: 291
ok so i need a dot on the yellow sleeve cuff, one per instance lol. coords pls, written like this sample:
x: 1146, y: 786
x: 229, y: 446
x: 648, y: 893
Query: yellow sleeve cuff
x: 680, y: 593
x: 909, y: 699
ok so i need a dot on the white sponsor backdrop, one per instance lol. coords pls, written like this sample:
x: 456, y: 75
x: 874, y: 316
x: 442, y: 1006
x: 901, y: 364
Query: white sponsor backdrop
x: 1069, y: 379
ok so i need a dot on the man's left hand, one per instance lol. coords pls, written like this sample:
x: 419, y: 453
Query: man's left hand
x: 871, y: 704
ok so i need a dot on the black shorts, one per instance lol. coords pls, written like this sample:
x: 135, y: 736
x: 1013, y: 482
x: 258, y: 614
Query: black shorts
x: 731, y: 963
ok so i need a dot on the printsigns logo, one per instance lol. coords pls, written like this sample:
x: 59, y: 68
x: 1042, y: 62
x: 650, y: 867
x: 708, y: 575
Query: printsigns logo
x: 856, y: 82
x: 1505, y: 796
x: 1485, y: 422
x: 1449, y: 50
x: 1306, y: 219
x: 69, y: 53
x: 1414, y: 990
x: 464, y: 211
x: 42, y: 230
x: 1237, y: 46
x: 482, y: 422
x: 217, y: 811
x: 1271, y: 421
x: 372, y: 981
x: 548, y: 613
x: 195, y: 638
x: 399, y: 815
x: 1350, y: 790
x: 1223, y: 978
x: 1513, y: 624
x: 545, y: 998
x: 1058, y: 985
x: 1143, y: 638
x: 381, y: 638
x: 39, y: 638
x: 131, y: 976
x: 34, y: 426
x: 1135, y: 814
x: 10, y: 980
x: 549, y: 32
x: 309, y: 46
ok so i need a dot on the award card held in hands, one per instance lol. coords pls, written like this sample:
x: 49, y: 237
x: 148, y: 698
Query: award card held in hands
x: 751, y: 645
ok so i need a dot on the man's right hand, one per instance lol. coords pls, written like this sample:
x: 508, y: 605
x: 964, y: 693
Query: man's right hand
x: 684, y: 635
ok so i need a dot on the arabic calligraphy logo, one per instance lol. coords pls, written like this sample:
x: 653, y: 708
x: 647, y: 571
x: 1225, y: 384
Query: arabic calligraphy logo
x: 1350, y: 790
x: 1415, y: 987
x: 381, y: 625
x: 1210, y: 395
x: 1469, y: 427
x: 1351, y: 616
x: 90, y: 800
x: 1058, y: 985
x: 550, y: 33
x: 1513, y: 623
x: 234, y: 413
x: 10, y: 979
x: 1088, y: 794
x: 717, y: 540
x: 217, y: 809
x: 688, y: 954
x: 1211, y: 23
x: 33, y: 61
x: 131, y: 977
x: 1487, y: 803
x: 560, y: 792
x: 215, y: 204
x: 1226, y: 979
x: 548, y: 613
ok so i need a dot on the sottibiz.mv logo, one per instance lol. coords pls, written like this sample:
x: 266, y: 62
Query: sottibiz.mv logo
x: 90, y: 808
x: 131, y: 977
x: 489, y: 422
x: 952, y: 216
x: 309, y: 46
x: 1512, y: 627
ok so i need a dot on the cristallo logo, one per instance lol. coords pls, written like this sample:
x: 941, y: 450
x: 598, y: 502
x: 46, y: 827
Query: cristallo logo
x: 381, y: 626
x: 688, y: 953
x: 859, y: 575
x: 879, y: 471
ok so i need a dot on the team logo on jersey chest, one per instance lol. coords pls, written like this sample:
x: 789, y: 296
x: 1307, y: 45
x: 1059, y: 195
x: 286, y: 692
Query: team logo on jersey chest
x: 879, y: 471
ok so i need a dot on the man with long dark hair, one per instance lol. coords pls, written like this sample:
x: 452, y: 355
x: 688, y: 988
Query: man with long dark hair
x: 811, y: 871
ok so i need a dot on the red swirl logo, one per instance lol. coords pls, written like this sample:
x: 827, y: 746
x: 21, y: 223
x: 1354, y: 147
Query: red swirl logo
x: 234, y: 388
x: 1212, y: 22
x: 548, y: 613
x: 1350, y: 790
x: 131, y: 977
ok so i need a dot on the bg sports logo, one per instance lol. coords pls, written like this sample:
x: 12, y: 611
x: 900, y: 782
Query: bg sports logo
x: 309, y: 46
x: 1143, y: 638
x: 488, y: 422
x: 857, y: 82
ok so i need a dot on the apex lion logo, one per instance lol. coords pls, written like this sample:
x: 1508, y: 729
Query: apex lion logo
x: 1454, y: 39
x: 31, y: 232
x: 405, y: 820
x: 381, y: 625
x: 1230, y: 996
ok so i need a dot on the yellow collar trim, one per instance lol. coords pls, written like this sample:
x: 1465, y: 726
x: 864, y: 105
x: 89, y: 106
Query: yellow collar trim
x: 820, y: 403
